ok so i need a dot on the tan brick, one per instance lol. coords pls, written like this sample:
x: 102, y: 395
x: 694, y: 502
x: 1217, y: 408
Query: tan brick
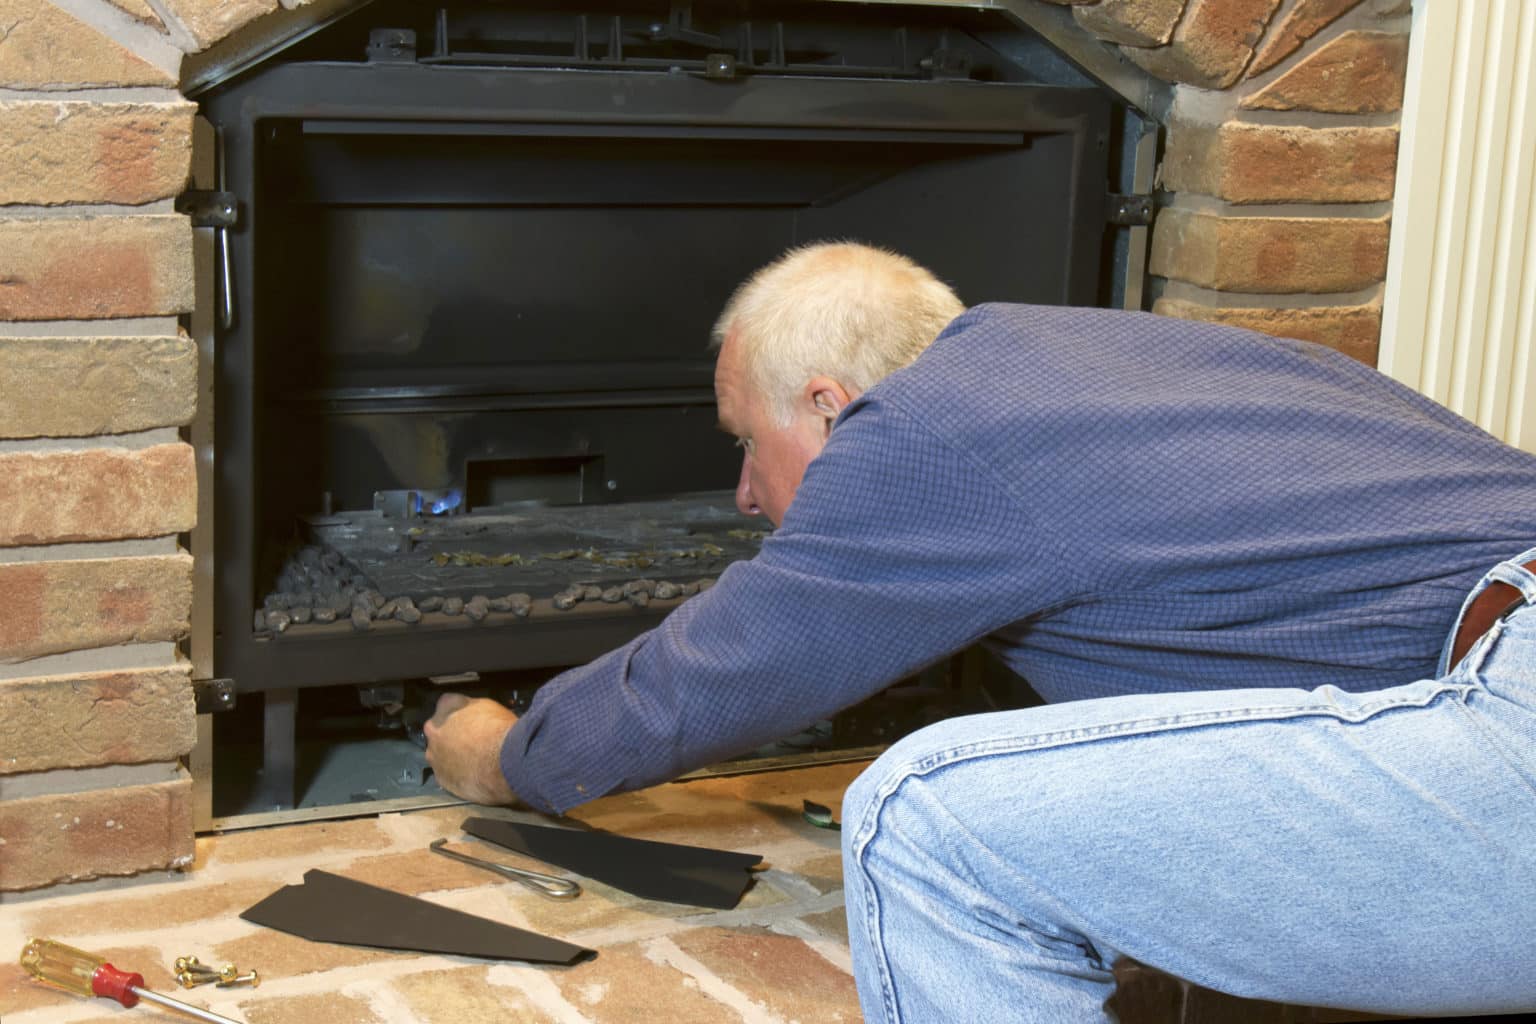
x: 1132, y: 22
x: 87, y: 268
x: 1355, y: 73
x: 41, y: 47
x: 780, y: 972
x: 134, y: 716
x: 280, y: 955
x: 327, y: 837
x: 51, y: 497
x: 1262, y: 163
x: 465, y: 994
x: 79, y: 387
x: 1211, y: 45
x: 139, y: 10
x: 1305, y: 19
x: 670, y: 816
x: 330, y: 1007
x: 81, y: 152
x: 212, y: 20
x: 831, y: 923
x: 746, y: 812
x: 59, y: 606
x: 70, y: 837
x: 824, y: 872
x: 19, y: 992
x: 600, y: 906
x: 1269, y: 254
x: 1352, y: 330
x: 168, y: 905
x: 624, y: 985
x: 417, y: 871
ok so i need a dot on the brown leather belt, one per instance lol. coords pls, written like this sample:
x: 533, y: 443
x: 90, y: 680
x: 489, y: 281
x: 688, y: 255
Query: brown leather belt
x: 1487, y: 608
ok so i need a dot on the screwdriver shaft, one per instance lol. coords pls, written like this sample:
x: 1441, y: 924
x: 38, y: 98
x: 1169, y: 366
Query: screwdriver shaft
x: 181, y: 1007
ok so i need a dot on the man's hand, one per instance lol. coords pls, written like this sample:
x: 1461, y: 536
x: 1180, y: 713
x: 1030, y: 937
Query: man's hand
x: 464, y: 740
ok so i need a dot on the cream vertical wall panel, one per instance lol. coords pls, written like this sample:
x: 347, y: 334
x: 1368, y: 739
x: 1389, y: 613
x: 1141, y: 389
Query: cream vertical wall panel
x: 1459, y: 316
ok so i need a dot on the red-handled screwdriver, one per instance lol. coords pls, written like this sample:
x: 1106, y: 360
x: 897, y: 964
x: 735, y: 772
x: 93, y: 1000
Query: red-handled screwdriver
x: 75, y: 970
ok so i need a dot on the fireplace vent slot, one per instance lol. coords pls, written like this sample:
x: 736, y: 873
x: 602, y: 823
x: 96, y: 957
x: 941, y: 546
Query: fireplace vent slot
x: 573, y: 480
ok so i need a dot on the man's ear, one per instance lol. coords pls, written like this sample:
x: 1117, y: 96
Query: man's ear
x: 828, y: 398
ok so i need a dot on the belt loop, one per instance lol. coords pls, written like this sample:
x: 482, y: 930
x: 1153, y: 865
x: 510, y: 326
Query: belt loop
x: 1505, y: 587
x: 1518, y: 576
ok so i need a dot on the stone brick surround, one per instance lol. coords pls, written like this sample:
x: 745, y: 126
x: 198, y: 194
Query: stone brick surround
x: 1277, y: 185
x: 781, y: 955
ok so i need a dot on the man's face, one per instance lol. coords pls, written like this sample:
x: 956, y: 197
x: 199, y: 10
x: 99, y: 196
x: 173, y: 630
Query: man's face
x: 774, y: 457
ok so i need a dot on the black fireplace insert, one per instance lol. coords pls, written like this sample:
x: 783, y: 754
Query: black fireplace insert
x: 465, y: 422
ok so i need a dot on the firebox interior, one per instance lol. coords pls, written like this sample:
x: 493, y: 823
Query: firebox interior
x: 464, y: 358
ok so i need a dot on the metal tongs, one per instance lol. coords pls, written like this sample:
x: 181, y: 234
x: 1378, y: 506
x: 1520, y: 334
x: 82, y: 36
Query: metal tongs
x: 545, y: 885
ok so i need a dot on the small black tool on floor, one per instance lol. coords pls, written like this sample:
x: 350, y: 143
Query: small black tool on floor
x: 819, y: 815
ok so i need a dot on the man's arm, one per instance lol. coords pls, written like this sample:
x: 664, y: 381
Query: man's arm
x: 897, y: 551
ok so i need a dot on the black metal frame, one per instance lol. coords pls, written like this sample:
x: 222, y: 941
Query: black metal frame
x: 425, y: 98
x: 459, y: 99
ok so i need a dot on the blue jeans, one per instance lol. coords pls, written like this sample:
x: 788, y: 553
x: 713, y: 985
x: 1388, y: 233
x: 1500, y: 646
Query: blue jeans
x: 1372, y: 851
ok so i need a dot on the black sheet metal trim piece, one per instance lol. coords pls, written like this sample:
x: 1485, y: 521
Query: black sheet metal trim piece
x: 695, y: 875
x: 330, y: 908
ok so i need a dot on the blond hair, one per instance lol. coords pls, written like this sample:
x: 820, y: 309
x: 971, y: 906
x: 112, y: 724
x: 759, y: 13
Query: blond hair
x: 851, y: 312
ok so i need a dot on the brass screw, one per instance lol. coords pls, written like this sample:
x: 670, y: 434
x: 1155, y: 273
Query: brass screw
x: 190, y: 972
x: 250, y: 978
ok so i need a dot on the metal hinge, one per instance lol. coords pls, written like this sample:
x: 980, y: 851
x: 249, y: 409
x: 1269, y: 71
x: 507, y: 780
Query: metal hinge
x: 1130, y: 210
x: 208, y: 208
x: 213, y: 695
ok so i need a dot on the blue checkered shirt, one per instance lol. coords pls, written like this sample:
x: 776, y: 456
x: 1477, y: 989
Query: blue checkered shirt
x: 1115, y: 502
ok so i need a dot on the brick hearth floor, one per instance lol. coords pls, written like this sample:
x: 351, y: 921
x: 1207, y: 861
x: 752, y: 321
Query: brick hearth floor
x: 781, y: 956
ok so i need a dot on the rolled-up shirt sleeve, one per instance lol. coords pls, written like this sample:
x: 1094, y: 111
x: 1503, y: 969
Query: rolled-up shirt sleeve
x: 897, y: 551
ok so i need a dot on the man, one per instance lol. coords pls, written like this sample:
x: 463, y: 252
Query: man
x: 1250, y: 549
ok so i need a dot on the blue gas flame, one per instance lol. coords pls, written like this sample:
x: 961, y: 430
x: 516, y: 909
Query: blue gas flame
x: 448, y: 502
